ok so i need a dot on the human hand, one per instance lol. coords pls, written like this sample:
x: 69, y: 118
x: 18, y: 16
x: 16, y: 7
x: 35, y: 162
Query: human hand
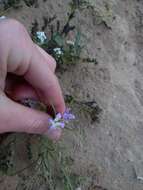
x: 26, y: 71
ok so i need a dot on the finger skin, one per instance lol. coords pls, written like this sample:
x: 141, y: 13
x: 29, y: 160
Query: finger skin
x: 17, y: 118
x: 50, y: 60
x: 23, y: 91
x: 18, y: 89
x: 45, y: 82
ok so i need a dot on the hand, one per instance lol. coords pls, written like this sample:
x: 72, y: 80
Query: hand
x: 26, y: 71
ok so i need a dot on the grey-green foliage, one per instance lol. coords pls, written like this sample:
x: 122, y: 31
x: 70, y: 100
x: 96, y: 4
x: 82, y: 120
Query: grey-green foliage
x: 52, y: 167
x: 56, y: 166
x: 80, y: 4
x: 18, y: 3
x: 7, y: 157
x: 11, y: 3
x: 30, y: 3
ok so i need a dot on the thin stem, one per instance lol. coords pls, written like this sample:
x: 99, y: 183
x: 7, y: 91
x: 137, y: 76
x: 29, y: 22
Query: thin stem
x: 23, y: 169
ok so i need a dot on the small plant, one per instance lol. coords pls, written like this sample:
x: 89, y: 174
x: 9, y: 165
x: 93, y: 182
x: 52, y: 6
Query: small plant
x: 7, y: 157
x: 51, y: 161
x: 63, y: 50
x: 90, y: 107
x: 80, y: 4
x: 93, y: 109
x: 30, y: 3
x: 11, y: 3
x: 7, y: 4
x: 66, y: 51
x: 52, y: 167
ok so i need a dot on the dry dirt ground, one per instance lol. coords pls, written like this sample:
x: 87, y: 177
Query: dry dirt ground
x: 111, y: 153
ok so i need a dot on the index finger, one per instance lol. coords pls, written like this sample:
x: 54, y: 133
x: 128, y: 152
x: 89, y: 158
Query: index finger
x: 40, y: 76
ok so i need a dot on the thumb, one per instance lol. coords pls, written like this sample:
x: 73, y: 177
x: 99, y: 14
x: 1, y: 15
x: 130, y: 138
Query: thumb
x: 18, y: 118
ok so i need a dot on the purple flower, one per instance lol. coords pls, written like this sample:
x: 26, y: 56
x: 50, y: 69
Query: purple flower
x: 60, y: 120
x: 55, y: 124
x: 67, y: 116
x: 58, y: 117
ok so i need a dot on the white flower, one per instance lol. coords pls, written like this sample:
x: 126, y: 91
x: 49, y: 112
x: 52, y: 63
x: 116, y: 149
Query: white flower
x: 58, y: 51
x: 2, y: 17
x: 41, y: 36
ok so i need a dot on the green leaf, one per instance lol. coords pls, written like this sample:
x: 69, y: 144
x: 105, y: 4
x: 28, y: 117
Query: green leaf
x: 57, y: 37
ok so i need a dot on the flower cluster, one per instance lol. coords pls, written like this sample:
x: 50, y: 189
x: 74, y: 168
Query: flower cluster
x: 41, y: 36
x: 61, y: 119
x: 58, y: 51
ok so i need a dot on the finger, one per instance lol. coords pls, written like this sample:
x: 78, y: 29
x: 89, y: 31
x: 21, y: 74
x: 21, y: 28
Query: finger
x: 23, y: 91
x: 17, y: 118
x: 44, y: 81
x: 50, y: 60
x: 17, y: 89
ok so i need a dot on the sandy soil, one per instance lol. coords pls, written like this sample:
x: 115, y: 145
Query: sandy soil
x: 111, y: 153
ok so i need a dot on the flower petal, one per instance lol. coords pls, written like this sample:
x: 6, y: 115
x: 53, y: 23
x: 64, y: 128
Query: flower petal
x: 62, y: 125
x: 41, y: 36
x: 50, y: 120
x: 67, y: 115
x: 58, y: 117
x: 52, y: 127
